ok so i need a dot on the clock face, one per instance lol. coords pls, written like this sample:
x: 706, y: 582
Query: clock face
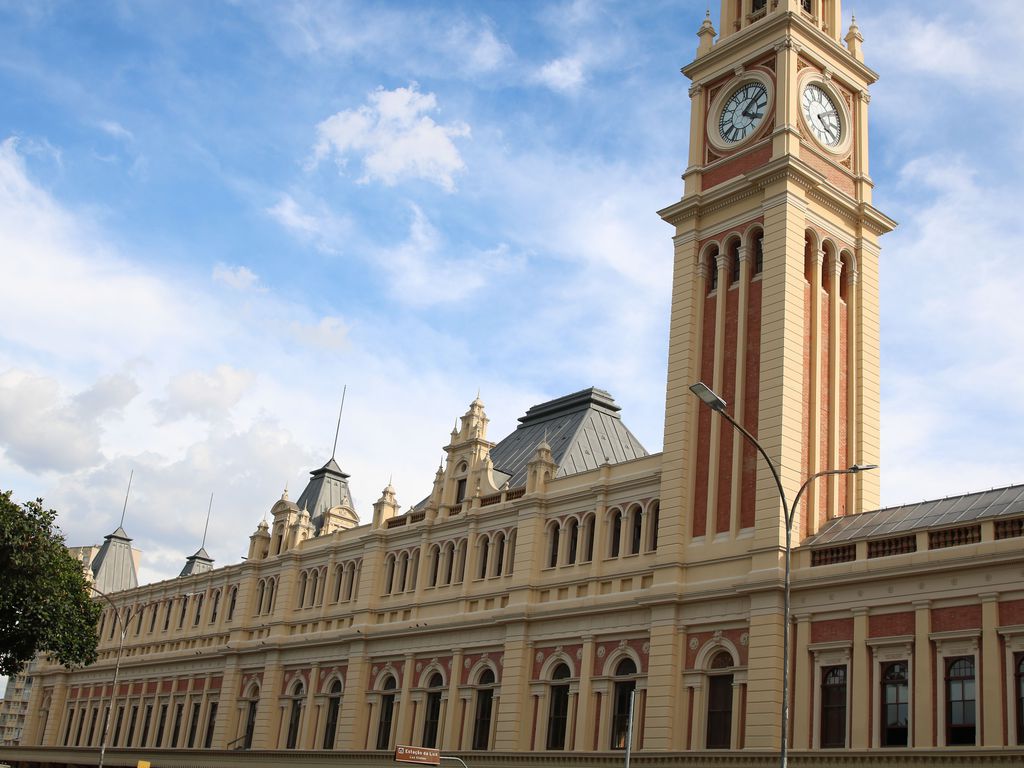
x: 743, y: 112
x: 822, y: 116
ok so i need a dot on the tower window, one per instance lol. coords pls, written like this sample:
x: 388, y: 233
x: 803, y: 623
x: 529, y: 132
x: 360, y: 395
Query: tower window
x: 806, y: 5
x: 713, y: 281
x: 758, y: 5
x: 758, y: 255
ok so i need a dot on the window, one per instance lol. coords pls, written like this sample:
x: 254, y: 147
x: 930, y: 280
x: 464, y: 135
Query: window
x: 484, y: 707
x: 485, y: 551
x: 250, y: 723
x: 895, y: 707
x: 615, y: 534
x: 152, y: 619
x: 435, y: 562
x: 193, y: 725
x: 314, y: 588
x: 128, y: 742
x: 558, y: 707
x: 460, y: 491
x: 499, y: 554
x: 211, y: 721
x: 300, y: 594
x: 758, y: 5
x: 960, y: 701
x: 294, y: 717
x: 652, y: 533
x: 167, y: 614
x: 719, y: 725
x: 621, y: 703
x: 1019, y: 696
x: 449, y: 562
x: 553, y: 545
x: 588, y: 538
x: 387, y: 712
x: 389, y: 575
x: 199, y: 611
x: 432, y: 715
x: 574, y: 536
x: 333, y: 708
x: 117, y: 727
x: 636, y: 525
x: 92, y: 726
x: 833, y: 706
x: 734, y: 264
x: 67, y: 730
x: 215, y: 606
x: 178, y: 712
x: 160, y: 723
x: 146, y: 720
x: 231, y: 603
x: 758, y: 255
x: 184, y: 611
x: 806, y: 5
x: 713, y: 278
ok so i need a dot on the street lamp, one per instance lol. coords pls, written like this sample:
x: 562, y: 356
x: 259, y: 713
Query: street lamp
x: 717, y: 404
x: 117, y: 667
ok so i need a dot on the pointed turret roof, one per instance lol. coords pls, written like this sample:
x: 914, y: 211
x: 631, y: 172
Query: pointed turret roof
x: 327, y: 488
x: 113, y: 568
x: 200, y: 562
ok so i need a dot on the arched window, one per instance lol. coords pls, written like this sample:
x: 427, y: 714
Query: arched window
x: 414, y: 568
x: 558, y: 707
x: 553, y: 544
x: 485, y: 550
x: 432, y: 715
x: 713, y: 267
x: 833, y: 706
x: 499, y: 553
x: 300, y: 595
x: 615, y: 534
x: 403, y: 573
x: 895, y: 710
x: 435, y: 563
x: 652, y: 527
x: 960, y: 701
x: 271, y: 588
x: 387, y: 713
x: 484, y: 707
x: 314, y: 584
x: 719, y: 725
x: 449, y: 562
x: 389, y: 574
x: 734, y: 262
x: 622, y: 702
x: 574, y: 541
x: 588, y: 539
x: 253, y: 697
x: 232, y: 600
x: 154, y: 609
x: 350, y: 579
x: 759, y: 253
x: 295, y: 716
x: 181, y: 613
x: 636, y: 527
x: 460, y: 561
x: 214, y: 606
x: 333, y: 708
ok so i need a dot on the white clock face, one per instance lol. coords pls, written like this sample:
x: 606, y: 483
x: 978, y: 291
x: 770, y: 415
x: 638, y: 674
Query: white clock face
x: 822, y: 116
x: 743, y: 112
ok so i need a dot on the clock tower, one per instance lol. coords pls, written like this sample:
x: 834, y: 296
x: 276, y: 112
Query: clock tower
x: 774, y: 304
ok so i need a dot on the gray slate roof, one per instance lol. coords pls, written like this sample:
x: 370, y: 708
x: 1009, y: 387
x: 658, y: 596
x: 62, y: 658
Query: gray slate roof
x: 938, y: 513
x: 327, y: 488
x: 584, y: 430
x: 200, y: 562
x: 113, y: 567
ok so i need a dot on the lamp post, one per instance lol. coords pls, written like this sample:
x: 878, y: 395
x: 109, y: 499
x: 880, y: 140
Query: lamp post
x: 717, y: 404
x: 117, y: 667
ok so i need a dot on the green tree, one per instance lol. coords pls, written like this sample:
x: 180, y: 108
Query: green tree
x: 45, y: 603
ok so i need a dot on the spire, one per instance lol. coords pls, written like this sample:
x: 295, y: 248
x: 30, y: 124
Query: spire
x: 337, y: 429
x: 201, y: 561
x: 125, y: 507
x: 854, y: 39
x: 706, y: 35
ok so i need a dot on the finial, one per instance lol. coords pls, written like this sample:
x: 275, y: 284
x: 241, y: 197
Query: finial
x: 337, y: 430
x: 125, y: 507
x: 209, y: 509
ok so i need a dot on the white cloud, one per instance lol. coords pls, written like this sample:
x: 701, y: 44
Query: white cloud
x: 323, y: 228
x: 116, y: 130
x: 394, y: 138
x: 565, y: 74
x: 42, y: 431
x: 481, y: 49
x: 207, y: 396
x: 329, y: 333
x: 240, y: 278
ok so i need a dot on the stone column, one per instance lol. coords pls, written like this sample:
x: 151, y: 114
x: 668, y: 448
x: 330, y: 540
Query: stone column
x: 268, y: 715
x: 513, y: 729
x: 584, y: 702
x: 403, y: 729
x: 924, y: 735
x: 860, y: 695
x: 352, y: 719
x: 663, y: 679
x: 451, y: 738
x: 227, y: 709
x: 307, y: 734
x: 992, y: 663
x: 800, y: 707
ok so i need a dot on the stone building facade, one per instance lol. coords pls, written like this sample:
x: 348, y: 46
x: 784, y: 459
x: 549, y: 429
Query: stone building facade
x: 553, y: 576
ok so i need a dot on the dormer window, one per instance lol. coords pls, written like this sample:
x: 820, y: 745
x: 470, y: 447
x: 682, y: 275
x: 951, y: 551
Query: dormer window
x: 460, y: 490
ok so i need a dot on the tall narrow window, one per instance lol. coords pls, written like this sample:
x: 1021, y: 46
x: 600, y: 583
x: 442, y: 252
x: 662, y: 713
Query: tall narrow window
x: 350, y: 572
x: 129, y: 740
x: 719, y: 724
x: 178, y: 712
x: 1019, y: 696
x: 615, y: 534
x: 215, y: 606
x: 231, y: 603
x: 333, y: 708
x: 152, y: 618
x: 199, y: 611
x: 314, y: 588
x: 389, y: 575
x: 484, y: 707
x: 636, y: 524
x: 449, y: 563
x: 713, y: 277
x: 161, y: 721
x: 435, y: 562
x: 553, y: 545
x: 211, y: 721
x: 558, y: 707
x: 460, y: 491
x: 485, y: 551
x: 193, y: 725
x: 294, y: 717
x: 895, y: 704
x: 652, y: 526
x: 250, y: 723
x: 184, y: 610
x: 67, y: 729
x: 387, y: 712
x: 734, y: 263
x: 833, y: 706
x: 432, y: 716
x: 574, y: 540
x: 117, y: 727
x: 623, y: 695
x: 588, y: 539
x: 146, y: 720
x: 759, y: 254
x: 92, y: 726
x: 499, y: 554
x: 300, y: 593
x: 960, y: 701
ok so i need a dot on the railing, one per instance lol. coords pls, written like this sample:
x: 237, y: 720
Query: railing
x: 900, y: 545
x: 954, y: 537
x: 844, y: 553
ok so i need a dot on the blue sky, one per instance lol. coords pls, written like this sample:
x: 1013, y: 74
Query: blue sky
x: 215, y: 215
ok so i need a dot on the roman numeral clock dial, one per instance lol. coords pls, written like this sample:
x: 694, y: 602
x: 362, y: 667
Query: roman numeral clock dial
x: 822, y: 115
x: 743, y: 112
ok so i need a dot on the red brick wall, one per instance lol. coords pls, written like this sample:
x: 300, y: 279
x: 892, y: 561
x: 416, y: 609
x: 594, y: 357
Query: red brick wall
x: 752, y: 391
x: 958, y: 617
x: 1011, y: 612
x: 723, y: 502
x: 540, y: 655
x: 707, y: 364
x: 830, y: 630
x: 891, y: 624
x: 730, y: 169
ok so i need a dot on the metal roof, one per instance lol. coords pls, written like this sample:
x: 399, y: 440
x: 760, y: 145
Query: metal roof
x: 584, y: 430
x: 938, y: 513
x: 327, y: 489
x: 113, y: 567
x: 200, y: 562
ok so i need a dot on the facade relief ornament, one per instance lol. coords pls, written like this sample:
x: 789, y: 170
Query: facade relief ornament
x: 579, y: 654
x: 601, y: 652
x: 744, y: 638
x: 540, y: 656
x: 646, y: 648
x: 694, y: 643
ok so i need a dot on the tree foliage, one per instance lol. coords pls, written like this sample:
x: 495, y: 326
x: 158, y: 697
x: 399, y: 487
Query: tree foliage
x: 45, y: 603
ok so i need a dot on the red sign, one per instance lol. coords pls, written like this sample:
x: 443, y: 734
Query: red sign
x: 421, y: 755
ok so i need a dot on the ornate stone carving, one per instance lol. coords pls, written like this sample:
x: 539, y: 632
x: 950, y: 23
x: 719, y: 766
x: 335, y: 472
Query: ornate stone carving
x: 744, y: 638
x: 694, y: 642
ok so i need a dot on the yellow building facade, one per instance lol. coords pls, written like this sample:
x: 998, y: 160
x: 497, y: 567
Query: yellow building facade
x: 556, y: 575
